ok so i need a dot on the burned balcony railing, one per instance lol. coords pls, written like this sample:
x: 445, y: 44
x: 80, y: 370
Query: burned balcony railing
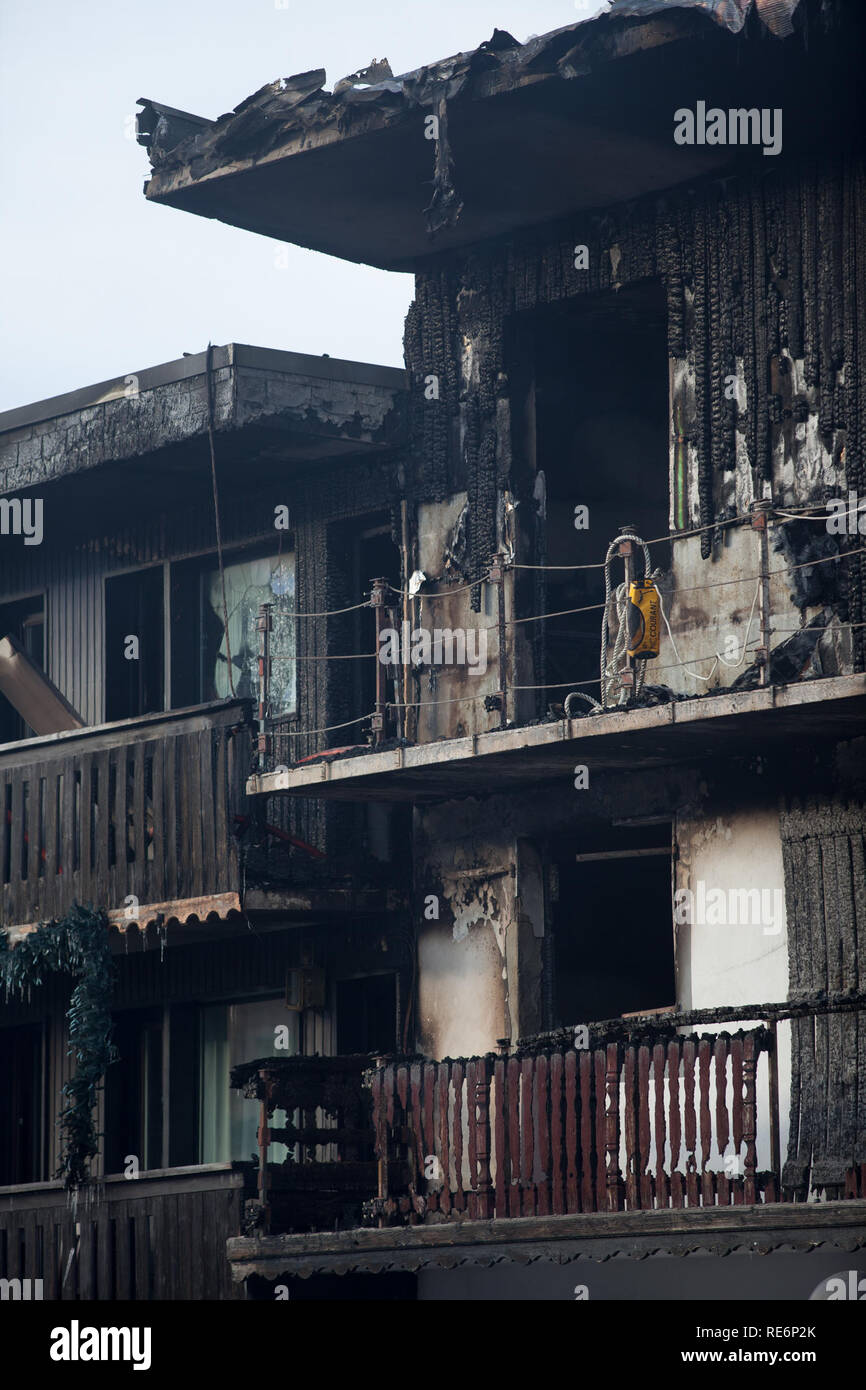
x: 648, y: 1115
x: 551, y: 1131
x: 331, y: 1169
x: 143, y: 808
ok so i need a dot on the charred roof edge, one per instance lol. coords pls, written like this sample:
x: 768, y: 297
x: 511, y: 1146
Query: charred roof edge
x: 232, y: 355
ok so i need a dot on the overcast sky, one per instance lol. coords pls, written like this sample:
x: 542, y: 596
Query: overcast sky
x: 96, y: 282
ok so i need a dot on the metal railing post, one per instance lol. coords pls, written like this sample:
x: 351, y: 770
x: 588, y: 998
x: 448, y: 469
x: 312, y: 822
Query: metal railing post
x: 760, y: 517
x: 377, y: 603
x: 263, y: 628
x: 497, y: 577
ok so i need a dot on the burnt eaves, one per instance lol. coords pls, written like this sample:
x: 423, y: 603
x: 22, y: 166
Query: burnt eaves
x: 287, y: 407
x: 164, y: 127
x: 579, y: 118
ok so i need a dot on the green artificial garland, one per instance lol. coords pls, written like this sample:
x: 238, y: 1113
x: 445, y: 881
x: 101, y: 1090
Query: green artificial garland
x: 77, y: 945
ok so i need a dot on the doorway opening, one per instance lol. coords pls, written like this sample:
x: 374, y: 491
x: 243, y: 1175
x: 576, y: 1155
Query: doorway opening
x: 590, y: 420
x: 376, y: 557
x: 134, y: 655
x: 367, y: 1014
x: 613, y: 923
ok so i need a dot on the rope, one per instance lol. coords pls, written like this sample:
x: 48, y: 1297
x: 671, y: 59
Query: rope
x: 696, y: 675
x: 443, y: 593
x: 331, y: 612
x: 344, y: 656
x: 329, y: 729
x: 581, y: 695
x: 611, y: 671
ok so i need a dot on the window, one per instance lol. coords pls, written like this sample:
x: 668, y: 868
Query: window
x: 20, y: 1105
x: 201, y: 645
x: 134, y: 656
x: 134, y: 1092
x: 367, y: 1014
x: 233, y: 1033
x: 25, y: 621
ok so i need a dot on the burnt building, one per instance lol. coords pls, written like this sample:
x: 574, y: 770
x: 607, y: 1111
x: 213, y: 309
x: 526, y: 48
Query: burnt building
x: 557, y: 897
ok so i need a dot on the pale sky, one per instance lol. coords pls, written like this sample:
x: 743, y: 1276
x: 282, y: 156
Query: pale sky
x: 96, y: 282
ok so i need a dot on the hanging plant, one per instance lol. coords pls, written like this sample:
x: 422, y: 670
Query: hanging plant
x: 77, y: 945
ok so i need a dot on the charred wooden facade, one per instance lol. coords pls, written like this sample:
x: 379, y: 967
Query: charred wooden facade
x: 215, y: 909
x: 624, y: 936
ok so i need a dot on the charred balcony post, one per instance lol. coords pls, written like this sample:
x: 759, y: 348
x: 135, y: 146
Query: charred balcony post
x: 497, y: 577
x: 761, y: 512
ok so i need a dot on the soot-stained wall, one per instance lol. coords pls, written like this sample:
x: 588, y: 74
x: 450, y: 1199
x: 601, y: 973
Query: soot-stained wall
x: 765, y: 281
x: 825, y: 887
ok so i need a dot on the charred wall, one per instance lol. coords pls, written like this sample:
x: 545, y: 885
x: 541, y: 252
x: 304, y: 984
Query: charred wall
x: 825, y: 889
x: 765, y: 280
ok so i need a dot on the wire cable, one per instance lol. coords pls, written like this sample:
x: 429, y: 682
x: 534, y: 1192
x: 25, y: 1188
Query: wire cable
x: 216, y: 510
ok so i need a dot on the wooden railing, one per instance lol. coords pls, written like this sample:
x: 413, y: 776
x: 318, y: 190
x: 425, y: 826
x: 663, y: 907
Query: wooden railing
x: 331, y: 1170
x: 622, y: 1115
x: 143, y: 808
x: 625, y: 1125
x: 161, y: 1235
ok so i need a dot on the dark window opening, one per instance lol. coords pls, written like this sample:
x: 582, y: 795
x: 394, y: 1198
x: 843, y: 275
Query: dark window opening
x: 367, y: 1014
x: 590, y: 409
x: 133, y: 1092
x: 25, y: 621
x: 21, y: 1105
x: 134, y: 654
x: 613, y: 924
x: 376, y: 557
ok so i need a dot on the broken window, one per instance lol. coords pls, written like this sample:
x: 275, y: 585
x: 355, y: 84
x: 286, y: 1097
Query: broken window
x: 25, y: 621
x: 203, y: 643
x: 134, y: 656
x: 590, y: 421
x: 613, y: 924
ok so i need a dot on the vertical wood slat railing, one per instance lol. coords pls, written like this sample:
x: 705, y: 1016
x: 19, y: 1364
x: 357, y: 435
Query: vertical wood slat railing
x: 624, y: 1126
x: 141, y: 808
x: 162, y: 1236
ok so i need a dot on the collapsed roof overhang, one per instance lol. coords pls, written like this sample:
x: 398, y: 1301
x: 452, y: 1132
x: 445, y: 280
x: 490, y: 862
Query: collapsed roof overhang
x: 528, y: 133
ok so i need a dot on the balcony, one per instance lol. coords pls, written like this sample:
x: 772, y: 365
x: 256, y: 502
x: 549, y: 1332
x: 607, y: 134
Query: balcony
x: 651, y: 1128
x: 714, y: 726
x: 138, y: 809
x: 161, y: 1236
